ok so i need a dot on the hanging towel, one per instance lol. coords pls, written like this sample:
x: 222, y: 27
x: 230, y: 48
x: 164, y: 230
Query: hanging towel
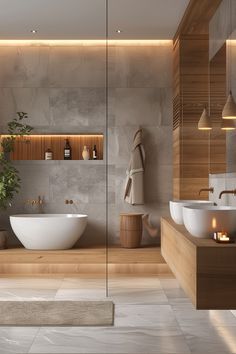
x: 134, y: 191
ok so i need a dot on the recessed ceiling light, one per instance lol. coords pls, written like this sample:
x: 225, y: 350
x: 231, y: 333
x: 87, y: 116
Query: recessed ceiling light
x: 119, y: 31
x: 33, y: 31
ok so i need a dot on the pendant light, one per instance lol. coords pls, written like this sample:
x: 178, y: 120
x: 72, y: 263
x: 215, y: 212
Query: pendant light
x: 227, y: 124
x: 204, y: 121
x: 229, y: 110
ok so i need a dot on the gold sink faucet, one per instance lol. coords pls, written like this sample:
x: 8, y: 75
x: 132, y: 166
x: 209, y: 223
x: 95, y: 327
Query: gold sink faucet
x: 210, y: 190
x: 233, y: 191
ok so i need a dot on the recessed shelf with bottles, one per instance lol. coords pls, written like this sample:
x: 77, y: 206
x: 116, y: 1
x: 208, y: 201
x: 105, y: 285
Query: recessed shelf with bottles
x: 34, y: 147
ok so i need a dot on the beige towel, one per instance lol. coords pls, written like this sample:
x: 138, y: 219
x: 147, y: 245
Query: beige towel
x: 134, y: 191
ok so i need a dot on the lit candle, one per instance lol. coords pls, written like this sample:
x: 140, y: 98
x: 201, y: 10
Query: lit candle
x: 224, y: 237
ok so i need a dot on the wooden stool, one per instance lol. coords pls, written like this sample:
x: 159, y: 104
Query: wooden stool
x: 131, y: 228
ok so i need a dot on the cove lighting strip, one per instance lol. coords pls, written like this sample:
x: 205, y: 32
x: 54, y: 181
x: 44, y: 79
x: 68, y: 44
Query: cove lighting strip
x: 89, y: 42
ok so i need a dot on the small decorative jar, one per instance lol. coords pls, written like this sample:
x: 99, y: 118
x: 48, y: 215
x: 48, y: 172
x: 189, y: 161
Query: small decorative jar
x: 48, y: 154
x: 85, y: 153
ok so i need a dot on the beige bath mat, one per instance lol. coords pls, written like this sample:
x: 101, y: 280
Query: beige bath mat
x: 56, y: 313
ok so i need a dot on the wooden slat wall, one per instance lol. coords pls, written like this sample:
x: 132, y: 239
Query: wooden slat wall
x: 195, y: 153
x: 191, y: 150
x: 34, y: 147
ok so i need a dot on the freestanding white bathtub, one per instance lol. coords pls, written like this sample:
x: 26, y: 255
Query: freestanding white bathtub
x: 48, y: 231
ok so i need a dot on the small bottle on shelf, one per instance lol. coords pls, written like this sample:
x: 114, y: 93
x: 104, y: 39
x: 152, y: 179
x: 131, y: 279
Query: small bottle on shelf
x: 67, y: 150
x: 48, y: 154
x: 95, y: 153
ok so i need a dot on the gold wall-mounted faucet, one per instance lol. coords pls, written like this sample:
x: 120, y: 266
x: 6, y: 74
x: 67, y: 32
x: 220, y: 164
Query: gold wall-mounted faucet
x: 69, y: 201
x: 210, y: 190
x: 233, y: 191
x: 38, y: 201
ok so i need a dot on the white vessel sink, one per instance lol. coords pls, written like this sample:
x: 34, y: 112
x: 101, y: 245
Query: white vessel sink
x: 205, y: 220
x: 176, y: 208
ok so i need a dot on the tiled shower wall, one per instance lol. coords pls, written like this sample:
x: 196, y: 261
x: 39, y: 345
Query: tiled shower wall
x: 63, y: 90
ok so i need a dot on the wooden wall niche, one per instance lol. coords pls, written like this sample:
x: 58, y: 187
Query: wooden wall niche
x: 33, y: 147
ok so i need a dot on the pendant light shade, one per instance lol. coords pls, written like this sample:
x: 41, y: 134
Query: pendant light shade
x: 227, y: 124
x: 204, y: 121
x: 229, y: 110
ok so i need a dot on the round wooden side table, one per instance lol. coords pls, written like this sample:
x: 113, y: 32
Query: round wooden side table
x: 131, y: 228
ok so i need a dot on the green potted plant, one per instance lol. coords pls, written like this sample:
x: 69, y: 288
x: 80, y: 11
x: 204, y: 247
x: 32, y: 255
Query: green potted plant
x: 9, y: 175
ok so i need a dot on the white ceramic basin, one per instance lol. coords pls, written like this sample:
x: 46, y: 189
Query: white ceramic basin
x: 48, y: 231
x: 203, y: 221
x: 176, y: 208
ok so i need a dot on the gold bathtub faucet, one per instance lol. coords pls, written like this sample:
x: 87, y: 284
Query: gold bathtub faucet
x: 39, y: 201
x: 67, y: 201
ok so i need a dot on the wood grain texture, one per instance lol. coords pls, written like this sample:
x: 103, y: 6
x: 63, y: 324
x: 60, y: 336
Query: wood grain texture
x: 34, y: 147
x: 146, y: 259
x: 196, y: 17
x: 206, y: 270
x: 196, y: 153
x: 131, y: 227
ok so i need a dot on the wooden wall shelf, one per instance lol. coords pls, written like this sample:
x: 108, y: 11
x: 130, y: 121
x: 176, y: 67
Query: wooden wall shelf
x: 33, y: 147
x: 205, y: 269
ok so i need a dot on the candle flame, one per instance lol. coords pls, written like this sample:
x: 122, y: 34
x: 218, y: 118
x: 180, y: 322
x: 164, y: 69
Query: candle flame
x: 214, y: 223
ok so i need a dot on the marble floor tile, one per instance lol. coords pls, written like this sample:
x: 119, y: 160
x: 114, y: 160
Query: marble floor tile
x: 137, y: 296
x: 210, y: 339
x: 186, y: 314
x: 81, y: 294
x: 16, y: 339
x: 145, y: 316
x: 169, y: 283
x: 110, y: 340
x: 27, y: 294
x: 176, y: 296
x: 84, y: 283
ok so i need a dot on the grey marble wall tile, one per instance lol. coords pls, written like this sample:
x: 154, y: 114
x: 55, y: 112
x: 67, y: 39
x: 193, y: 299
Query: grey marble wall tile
x: 120, y: 143
x: 219, y: 184
x: 34, y: 101
x: 143, y: 106
x: 78, y: 106
x: 158, y: 183
x: 25, y: 66
x: 231, y: 185
x: 34, y: 182
x: 231, y: 151
x: 134, y: 66
x: 158, y: 145
x: 77, y: 66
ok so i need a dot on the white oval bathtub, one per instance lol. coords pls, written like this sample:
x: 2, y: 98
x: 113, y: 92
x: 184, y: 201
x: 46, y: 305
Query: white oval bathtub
x: 48, y: 231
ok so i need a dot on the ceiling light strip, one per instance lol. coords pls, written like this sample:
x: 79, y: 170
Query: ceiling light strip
x: 89, y: 42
